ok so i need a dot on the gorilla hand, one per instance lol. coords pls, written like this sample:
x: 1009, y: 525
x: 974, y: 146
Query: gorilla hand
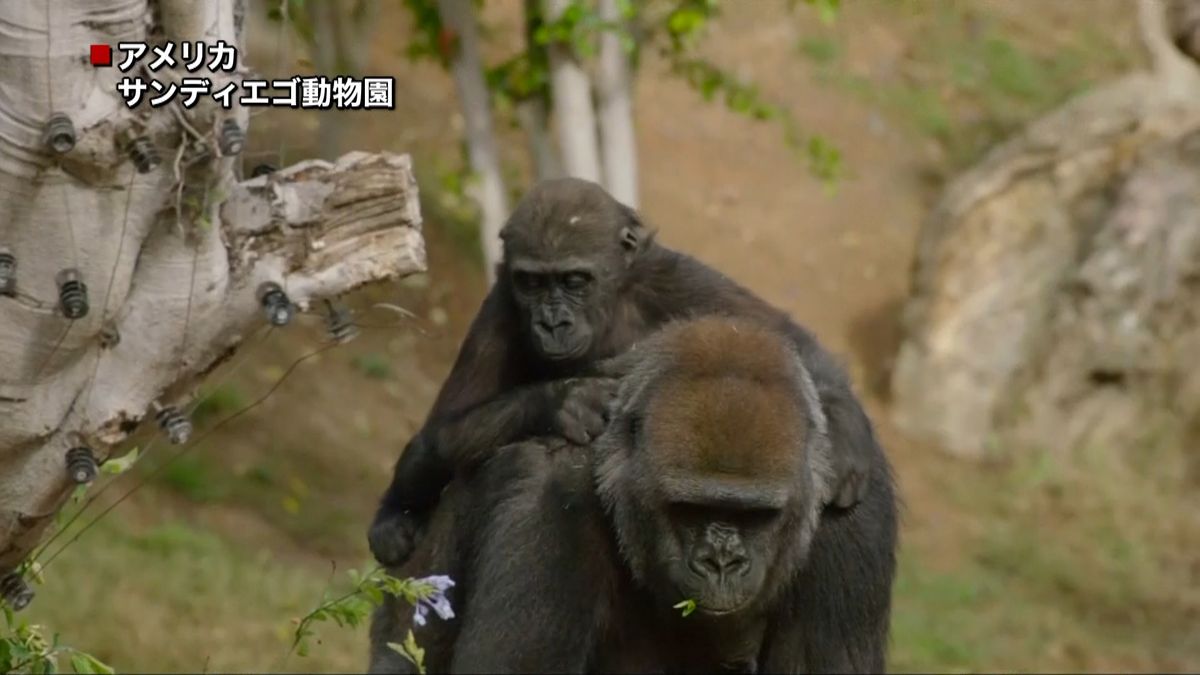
x: 850, y: 479
x: 581, y: 415
x: 855, y: 449
x: 393, y: 536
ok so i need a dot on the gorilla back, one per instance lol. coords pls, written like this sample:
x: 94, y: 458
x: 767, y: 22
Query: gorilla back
x: 709, y: 485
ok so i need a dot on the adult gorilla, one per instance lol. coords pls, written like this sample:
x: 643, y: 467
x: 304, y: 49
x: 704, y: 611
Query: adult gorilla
x: 708, y: 486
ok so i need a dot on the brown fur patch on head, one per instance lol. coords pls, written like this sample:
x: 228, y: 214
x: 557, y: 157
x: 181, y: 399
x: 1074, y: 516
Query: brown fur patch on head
x: 728, y: 403
x: 563, y: 218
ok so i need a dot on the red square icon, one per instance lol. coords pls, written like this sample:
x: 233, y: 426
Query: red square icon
x: 101, y: 56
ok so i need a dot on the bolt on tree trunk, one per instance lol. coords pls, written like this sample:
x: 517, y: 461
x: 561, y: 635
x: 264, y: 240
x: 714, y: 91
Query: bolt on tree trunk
x: 174, y: 254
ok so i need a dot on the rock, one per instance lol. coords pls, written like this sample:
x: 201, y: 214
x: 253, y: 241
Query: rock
x: 1056, y: 291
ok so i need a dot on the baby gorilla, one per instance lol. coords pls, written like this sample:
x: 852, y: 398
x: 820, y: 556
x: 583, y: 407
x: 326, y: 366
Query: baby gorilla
x: 708, y: 487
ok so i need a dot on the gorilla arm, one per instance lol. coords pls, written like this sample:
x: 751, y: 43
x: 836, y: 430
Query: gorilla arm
x: 831, y: 624
x: 481, y: 405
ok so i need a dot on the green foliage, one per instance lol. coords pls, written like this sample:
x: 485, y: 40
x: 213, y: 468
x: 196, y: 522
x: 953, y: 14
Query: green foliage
x: 826, y: 9
x: 577, y: 27
x: 822, y: 51
x: 685, y: 25
x: 411, y: 651
x: 426, y: 33
x: 353, y: 608
x: 193, y: 477
x: 444, y: 200
x: 824, y: 160
x: 223, y: 398
x: 174, y: 539
x: 25, y: 649
x: 967, y: 84
x: 374, y: 365
x: 687, y: 22
x: 116, y: 466
x: 526, y: 74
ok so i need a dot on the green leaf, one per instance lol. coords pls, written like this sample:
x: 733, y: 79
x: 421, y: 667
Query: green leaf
x: 688, y: 606
x: 827, y: 10
x: 119, y: 465
x: 82, y: 662
x: 33, y: 570
x: 411, y: 651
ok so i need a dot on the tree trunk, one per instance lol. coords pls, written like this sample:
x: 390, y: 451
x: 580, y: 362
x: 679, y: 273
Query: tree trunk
x: 573, y: 114
x: 174, y: 259
x: 341, y: 35
x: 467, y: 68
x: 532, y: 112
x: 619, y: 144
x: 535, y: 122
x: 1054, y: 288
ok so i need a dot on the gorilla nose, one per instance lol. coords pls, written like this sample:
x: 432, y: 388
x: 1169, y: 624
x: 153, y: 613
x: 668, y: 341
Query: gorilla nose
x: 720, y: 564
x: 555, y: 325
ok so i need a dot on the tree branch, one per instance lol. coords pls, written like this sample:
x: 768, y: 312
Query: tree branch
x: 176, y: 281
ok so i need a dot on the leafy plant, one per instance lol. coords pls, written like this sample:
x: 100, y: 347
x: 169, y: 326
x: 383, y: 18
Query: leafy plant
x: 677, y: 32
x: 25, y: 649
x: 368, y: 592
x: 685, y: 25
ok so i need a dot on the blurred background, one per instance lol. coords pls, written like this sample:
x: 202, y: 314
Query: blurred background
x: 798, y: 147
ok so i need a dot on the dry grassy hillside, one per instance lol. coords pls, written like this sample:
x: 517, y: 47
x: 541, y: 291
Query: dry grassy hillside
x: 1030, y: 566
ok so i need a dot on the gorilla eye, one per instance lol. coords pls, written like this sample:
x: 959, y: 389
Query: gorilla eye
x: 577, y: 281
x: 526, y: 282
x: 756, y: 518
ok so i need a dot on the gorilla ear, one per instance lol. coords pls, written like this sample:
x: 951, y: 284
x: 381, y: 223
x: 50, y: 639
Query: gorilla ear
x: 635, y: 237
x: 851, y: 488
x: 629, y: 239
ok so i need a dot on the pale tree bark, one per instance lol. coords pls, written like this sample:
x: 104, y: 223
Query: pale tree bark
x: 535, y: 122
x: 475, y: 101
x: 174, y: 259
x: 615, y: 111
x: 532, y: 113
x: 574, y: 117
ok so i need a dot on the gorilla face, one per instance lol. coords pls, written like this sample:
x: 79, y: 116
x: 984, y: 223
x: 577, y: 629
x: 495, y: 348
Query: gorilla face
x: 717, y: 554
x: 557, y: 304
x: 711, y: 470
x: 568, y: 247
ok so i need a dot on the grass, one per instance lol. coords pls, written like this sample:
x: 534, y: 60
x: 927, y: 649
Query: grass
x: 194, y: 477
x: 967, y: 83
x: 220, y: 400
x: 1081, y: 564
x: 172, y: 598
x: 375, y: 366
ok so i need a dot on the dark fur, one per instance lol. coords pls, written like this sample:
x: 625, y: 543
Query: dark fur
x: 502, y: 389
x: 560, y: 549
